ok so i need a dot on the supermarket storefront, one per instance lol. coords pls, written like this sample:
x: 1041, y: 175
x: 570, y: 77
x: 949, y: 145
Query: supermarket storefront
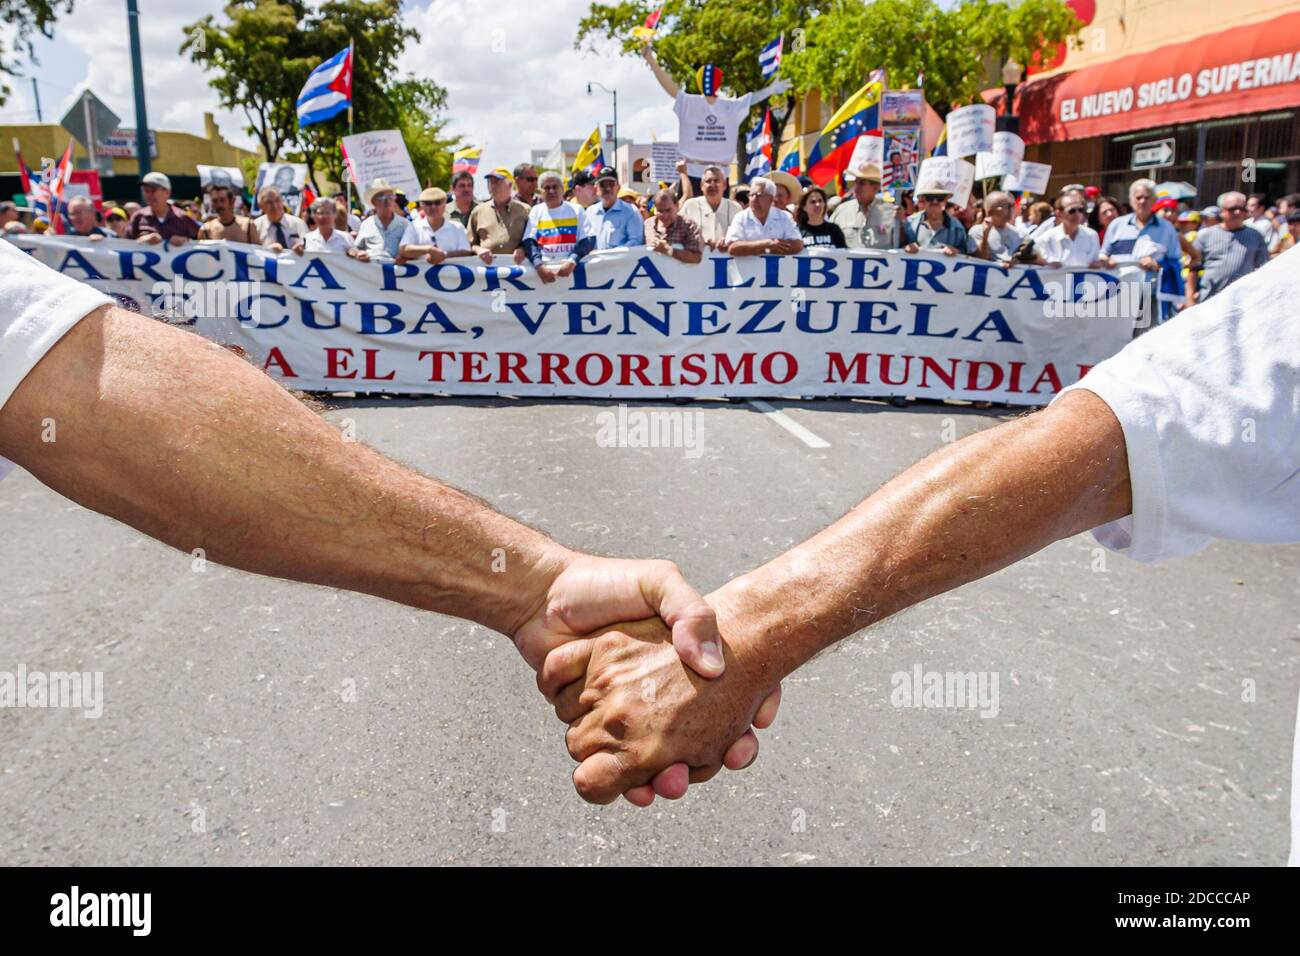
x: 1220, y: 112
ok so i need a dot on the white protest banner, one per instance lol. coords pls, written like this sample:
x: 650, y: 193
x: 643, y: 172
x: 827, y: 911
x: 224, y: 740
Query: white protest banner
x: 231, y: 176
x: 380, y: 154
x: 628, y: 323
x: 1005, y: 157
x: 870, y: 148
x: 1032, y: 178
x: 939, y: 169
x: 965, y: 177
x: 970, y: 130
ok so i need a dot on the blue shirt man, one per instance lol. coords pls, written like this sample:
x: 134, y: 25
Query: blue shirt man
x: 613, y: 223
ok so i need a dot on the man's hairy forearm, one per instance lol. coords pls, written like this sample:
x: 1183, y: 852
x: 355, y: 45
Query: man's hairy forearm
x: 966, y: 511
x: 178, y: 438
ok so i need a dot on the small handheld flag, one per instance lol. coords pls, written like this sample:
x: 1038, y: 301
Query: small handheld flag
x: 466, y: 160
x: 758, y: 146
x: 646, y: 32
x: 769, y: 58
x: 328, y: 91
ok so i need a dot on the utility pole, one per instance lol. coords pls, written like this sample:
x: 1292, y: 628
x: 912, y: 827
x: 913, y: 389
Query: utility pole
x: 137, y: 74
x: 37, y: 93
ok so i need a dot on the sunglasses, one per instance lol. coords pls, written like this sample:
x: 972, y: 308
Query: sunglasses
x: 1075, y: 210
x: 1232, y: 209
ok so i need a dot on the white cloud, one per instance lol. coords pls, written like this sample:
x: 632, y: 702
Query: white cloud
x: 515, y: 82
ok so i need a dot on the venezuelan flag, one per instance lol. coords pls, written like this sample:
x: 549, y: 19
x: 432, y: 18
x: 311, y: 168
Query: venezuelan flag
x: 466, y: 160
x: 830, y: 154
x: 590, y: 157
x: 941, y: 147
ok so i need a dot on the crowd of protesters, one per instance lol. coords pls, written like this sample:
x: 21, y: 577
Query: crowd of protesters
x: 552, y: 223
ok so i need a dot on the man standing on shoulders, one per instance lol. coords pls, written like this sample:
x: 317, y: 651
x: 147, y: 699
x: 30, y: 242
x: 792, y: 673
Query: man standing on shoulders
x: 613, y: 223
x: 462, y: 195
x: 277, y: 229
x: 1228, y: 251
x: 557, y: 236
x: 436, y: 237
x: 671, y: 234
x: 227, y: 225
x: 158, y: 220
x: 496, y: 227
x: 868, y: 220
x: 762, y: 229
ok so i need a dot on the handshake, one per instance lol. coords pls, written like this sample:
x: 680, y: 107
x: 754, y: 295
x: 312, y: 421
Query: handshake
x: 659, y: 687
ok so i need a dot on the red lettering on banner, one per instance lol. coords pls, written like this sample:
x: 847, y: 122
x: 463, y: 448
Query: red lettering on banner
x: 1013, y: 382
x: 512, y: 363
x: 694, y: 366
x: 885, y: 361
x: 435, y: 375
x: 838, y: 371
x: 722, y: 364
x: 791, y: 367
x: 973, y: 377
x: 276, y: 357
x: 1083, y: 370
x: 642, y: 362
x: 606, y: 368
x: 554, y: 364
x: 372, y: 372
x: 471, y: 364
x: 336, y: 363
x: 1049, y: 373
x: 930, y: 365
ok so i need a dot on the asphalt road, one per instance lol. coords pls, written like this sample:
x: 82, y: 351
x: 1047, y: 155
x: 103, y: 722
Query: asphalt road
x: 228, y: 736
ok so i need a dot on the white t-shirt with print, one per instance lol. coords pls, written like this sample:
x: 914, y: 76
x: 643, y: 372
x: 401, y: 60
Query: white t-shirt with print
x: 556, y: 231
x: 1210, y: 407
x: 706, y: 132
x: 37, y: 308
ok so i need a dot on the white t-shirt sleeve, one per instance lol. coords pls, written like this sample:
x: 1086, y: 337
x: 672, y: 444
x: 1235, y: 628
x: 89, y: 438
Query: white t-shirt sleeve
x: 1210, y: 407
x: 37, y: 308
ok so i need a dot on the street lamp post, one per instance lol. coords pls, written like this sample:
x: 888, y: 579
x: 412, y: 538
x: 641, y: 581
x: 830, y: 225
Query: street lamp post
x: 613, y: 93
x: 1011, y: 74
x: 143, y: 163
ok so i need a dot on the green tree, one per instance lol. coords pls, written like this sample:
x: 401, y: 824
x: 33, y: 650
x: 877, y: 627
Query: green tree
x: 258, y: 62
x: 24, y: 18
x: 381, y: 97
x: 956, y: 48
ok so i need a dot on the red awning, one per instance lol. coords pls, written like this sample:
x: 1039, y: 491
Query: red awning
x: 1245, y: 69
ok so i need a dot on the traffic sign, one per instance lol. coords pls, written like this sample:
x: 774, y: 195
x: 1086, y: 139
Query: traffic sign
x: 1153, y: 155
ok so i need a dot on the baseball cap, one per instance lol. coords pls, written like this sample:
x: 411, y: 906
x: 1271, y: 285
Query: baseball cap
x: 117, y: 211
x: 157, y: 179
x: 1214, y: 211
x: 582, y: 178
x: 1189, y: 215
x: 1168, y: 202
x: 499, y: 173
x: 606, y: 174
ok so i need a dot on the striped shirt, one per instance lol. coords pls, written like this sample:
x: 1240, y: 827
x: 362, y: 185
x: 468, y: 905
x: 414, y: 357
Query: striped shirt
x: 1226, y: 256
x: 556, y: 231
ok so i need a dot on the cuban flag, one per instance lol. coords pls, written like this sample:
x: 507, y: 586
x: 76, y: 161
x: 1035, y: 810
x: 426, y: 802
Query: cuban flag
x: 328, y: 91
x: 758, y: 146
x: 769, y: 58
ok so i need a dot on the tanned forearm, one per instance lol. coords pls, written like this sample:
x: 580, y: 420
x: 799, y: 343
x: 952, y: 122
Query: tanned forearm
x: 184, y: 441
x: 964, y: 512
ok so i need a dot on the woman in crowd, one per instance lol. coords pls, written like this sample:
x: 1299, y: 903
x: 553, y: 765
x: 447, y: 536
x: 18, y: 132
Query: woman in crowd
x: 1103, y: 214
x: 813, y: 225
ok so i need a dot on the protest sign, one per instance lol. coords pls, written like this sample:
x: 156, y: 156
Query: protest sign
x: 970, y: 130
x: 380, y: 154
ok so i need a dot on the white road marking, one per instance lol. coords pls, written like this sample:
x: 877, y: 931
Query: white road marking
x: 789, y: 424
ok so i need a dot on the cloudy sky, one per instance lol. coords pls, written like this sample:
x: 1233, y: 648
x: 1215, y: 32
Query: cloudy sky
x: 515, y: 82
